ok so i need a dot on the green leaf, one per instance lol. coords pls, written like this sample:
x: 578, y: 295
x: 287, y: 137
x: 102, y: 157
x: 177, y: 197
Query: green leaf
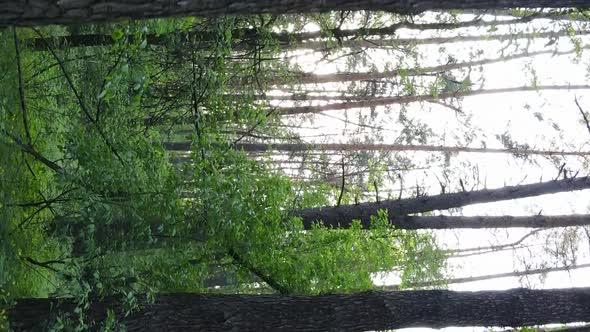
x: 117, y: 34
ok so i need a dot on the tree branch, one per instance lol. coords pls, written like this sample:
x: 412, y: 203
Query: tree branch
x: 477, y: 250
x: 46, y: 264
x: 79, y: 98
x: 342, y: 186
x: 257, y: 272
x: 21, y: 91
x: 28, y: 148
x: 583, y: 114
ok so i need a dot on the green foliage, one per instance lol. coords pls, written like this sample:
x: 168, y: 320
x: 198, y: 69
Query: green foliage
x: 242, y: 208
x: 341, y: 261
x: 91, y: 205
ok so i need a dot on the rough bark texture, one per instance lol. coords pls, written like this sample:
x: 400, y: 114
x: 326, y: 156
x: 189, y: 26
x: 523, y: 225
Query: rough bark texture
x: 342, y: 216
x: 247, y: 37
x: 40, y: 12
x: 356, y: 312
x: 284, y: 38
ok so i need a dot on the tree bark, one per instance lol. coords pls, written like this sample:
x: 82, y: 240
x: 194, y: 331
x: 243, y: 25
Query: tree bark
x: 490, y: 277
x: 572, y: 15
x: 342, y: 312
x: 284, y: 39
x: 478, y: 222
x: 296, y: 147
x: 309, y: 78
x: 384, y: 42
x: 342, y: 216
x: 378, y: 101
x: 40, y: 12
x: 383, y: 101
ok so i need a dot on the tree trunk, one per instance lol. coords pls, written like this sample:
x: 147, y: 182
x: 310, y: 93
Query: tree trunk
x: 385, y: 42
x: 285, y: 39
x: 342, y: 216
x: 383, y: 101
x: 478, y: 222
x: 571, y: 15
x: 343, y: 312
x: 297, y: 147
x: 42, y: 12
x: 377, y: 101
x: 490, y: 276
x: 309, y: 78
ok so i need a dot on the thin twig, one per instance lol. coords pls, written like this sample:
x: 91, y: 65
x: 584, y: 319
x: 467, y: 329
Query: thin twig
x: 39, y: 190
x: 454, y: 108
x: 27, y: 148
x: 45, y: 201
x: 266, y: 116
x: 401, y: 187
x: 46, y: 264
x: 376, y: 191
x: 67, y: 76
x: 40, y: 274
x: 494, y: 248
x: 21, y: 91
x: 342, y: 186
x: 583, y: 114
x: 196, y: 101
x: 27, y: 219
x: 104, y: 84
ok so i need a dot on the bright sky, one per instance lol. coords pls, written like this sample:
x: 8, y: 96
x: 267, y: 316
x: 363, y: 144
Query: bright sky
x: 492, y: 114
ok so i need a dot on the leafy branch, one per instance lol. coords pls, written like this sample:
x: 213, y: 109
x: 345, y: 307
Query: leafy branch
x: 257, y: 272
x: 79, y: 98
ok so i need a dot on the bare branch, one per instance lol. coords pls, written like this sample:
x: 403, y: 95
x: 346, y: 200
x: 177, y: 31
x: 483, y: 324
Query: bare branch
x: 342, y: 186
x: 583, y: 114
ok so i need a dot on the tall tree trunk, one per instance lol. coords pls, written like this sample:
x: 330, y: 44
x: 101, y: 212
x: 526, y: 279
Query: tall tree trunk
x: 342, y: 216
x: 76, y: 11
x: 342, y: 312
x: 378, y: 101
x: 383, y: 101
x: 478, y: 222
x: 309, y: 78
x: 386, y: 42
x: 297, y: 147
x: 285, y: 39
x: 490, y: 276
x: 565, y: 14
